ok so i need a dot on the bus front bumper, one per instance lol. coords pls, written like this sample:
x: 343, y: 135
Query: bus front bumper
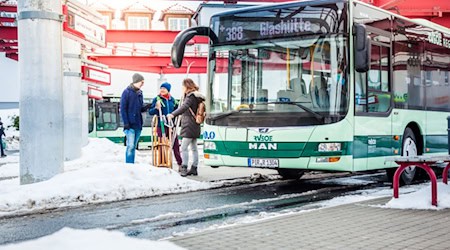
x: 326, y: 163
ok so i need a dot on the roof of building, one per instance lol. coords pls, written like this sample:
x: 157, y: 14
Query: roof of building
x: 9, y: 2
x: 99, y: 6
x: 176, y: 9
x: 138, y: 7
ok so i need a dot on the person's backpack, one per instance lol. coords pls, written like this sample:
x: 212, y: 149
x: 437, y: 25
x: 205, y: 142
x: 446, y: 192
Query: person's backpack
x: 201, y: 113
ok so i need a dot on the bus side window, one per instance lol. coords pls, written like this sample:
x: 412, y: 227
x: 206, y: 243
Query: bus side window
x: 360, y: 92
x: 108, y: 116
x: 376, y: 98
x: 91, y: 115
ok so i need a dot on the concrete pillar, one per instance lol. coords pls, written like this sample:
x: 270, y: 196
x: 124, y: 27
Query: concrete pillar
x: 41, y: 96
x: 84, y: 114
x: 72, y: 99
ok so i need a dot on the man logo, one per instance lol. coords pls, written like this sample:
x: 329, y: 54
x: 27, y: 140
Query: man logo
x: 263, y: 130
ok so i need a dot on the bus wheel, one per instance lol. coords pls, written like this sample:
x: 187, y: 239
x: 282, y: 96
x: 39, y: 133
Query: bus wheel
x: 215, y: 166
x: 409, y: 148
x: 290, y: 174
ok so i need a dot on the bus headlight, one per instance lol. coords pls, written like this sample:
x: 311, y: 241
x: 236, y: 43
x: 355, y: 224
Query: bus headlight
x: 329, y: 147
x: 209, y: 145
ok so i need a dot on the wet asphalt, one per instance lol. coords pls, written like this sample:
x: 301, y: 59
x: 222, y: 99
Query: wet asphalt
x: 165, y: 216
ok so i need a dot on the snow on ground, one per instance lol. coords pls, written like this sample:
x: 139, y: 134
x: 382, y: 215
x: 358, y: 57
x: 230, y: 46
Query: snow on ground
x: 12, y: 135
x: 98, y: 176
x: 94, y: 239
x: 421, y: 198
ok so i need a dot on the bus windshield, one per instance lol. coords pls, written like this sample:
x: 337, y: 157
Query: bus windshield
x: 292, y: 77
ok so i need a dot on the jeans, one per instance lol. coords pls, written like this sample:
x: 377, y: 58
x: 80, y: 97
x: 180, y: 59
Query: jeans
x: 176, y: 144
x: 1, y: 147
x: 185, y: 151
x: 132, y: 140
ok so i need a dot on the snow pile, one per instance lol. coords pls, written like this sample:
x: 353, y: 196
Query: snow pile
x: 421, y: 199
x: 94, y: 239
x: 103, y: 150
x: 8, y: 170
x: 99, y: 176
x: 12, y: 135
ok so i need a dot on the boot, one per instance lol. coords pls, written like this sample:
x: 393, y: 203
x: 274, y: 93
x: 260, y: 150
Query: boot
x: 193, y: 171
x: 183, y: 171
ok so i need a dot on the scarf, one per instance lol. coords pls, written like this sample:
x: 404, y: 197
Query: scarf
x: 167, y: 97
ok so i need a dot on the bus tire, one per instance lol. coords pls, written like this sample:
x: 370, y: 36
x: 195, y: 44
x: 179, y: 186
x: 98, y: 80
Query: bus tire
x: 214, y: 166
x: 290, y: 174
x: 409, y: 148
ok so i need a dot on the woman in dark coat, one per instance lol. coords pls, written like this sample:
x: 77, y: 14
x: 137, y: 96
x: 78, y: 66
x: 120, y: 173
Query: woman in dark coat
x: 190, y: 130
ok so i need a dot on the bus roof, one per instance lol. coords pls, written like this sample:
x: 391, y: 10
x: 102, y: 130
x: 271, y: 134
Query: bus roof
x: 418, y: 21
x: 280, y: 5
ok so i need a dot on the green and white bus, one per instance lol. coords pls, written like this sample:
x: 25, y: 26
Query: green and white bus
x: 105, y: 121
x: 323, y: 85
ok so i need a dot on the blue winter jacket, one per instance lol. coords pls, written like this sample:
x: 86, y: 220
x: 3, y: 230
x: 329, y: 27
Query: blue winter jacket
x: 131, y: 108
x: 167, y: 106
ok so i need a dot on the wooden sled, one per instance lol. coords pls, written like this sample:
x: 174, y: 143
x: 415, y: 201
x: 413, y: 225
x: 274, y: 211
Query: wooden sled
x: 161, y: 147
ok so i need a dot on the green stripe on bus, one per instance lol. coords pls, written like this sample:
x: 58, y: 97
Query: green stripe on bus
x: 375, y: 146
x: 281, y: 150
x: 436, y: 143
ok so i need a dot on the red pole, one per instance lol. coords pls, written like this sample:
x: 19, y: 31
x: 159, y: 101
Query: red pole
x: 445, y: 173
x: 424, y: 166
x: 396, y: 179
x: 433, y: 183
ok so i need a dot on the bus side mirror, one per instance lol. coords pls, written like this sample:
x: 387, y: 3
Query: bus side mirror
x: 362, y: 49
x: 179, y: 44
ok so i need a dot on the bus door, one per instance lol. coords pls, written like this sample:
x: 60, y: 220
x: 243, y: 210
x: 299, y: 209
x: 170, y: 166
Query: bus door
x: 373, y: 106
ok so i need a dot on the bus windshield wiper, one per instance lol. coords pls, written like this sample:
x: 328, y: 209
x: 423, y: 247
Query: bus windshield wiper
x: 300, y: 105
x: 223, y: 115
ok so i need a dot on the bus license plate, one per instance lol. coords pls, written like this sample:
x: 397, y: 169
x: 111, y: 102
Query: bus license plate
x: 263, y: 163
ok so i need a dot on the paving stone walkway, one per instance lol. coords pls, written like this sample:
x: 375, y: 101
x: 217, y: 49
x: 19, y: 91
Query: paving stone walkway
x: 359, y: 225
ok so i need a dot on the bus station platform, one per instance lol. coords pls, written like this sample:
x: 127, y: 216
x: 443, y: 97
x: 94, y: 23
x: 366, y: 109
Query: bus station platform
x: 360, y: 225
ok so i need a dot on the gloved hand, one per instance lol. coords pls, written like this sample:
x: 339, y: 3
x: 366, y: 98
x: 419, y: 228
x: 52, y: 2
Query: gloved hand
x: 146, y: 107
x: 126, y: 126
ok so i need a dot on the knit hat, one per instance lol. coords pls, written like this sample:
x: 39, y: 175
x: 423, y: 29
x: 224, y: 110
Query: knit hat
x: 166, y: 85
x: 137, y: 78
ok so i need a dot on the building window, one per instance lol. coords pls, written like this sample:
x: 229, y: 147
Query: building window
x: 106, y: 22
x: 178, y: 23
x: 138, y: 23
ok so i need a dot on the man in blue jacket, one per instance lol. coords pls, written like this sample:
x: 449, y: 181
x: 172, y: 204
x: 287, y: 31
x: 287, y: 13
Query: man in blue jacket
x: 2, y: 133
x: 131, y: 108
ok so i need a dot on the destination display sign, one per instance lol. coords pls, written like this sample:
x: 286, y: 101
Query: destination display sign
x: 236, y: 31
x: 438, y: 38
